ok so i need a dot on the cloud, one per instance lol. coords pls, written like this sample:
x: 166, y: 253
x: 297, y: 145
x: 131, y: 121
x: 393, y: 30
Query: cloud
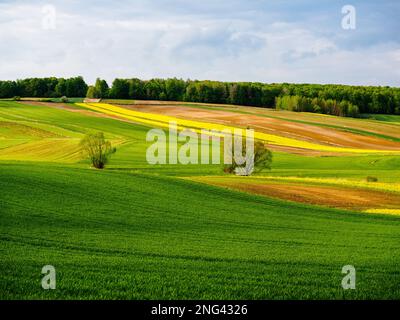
x: 220, y: 40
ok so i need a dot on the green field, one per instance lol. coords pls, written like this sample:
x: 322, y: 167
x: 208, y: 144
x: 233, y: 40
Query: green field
x: 136, y: 231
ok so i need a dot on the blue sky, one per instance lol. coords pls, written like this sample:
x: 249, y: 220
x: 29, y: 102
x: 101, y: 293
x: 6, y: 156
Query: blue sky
x: 238, y: 40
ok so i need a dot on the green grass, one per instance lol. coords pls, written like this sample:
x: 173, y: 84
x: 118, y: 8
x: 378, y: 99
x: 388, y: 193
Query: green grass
x: 137, y: 236
x: 70, y: 127
x: 72, y: 100
x: 136, y: 231
x: 383, y: 117
x: 24, y: 124
x: 386, y: 168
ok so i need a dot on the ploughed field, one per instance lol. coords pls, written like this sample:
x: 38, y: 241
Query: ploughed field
x: 315, y: 128
x: 137, y: 231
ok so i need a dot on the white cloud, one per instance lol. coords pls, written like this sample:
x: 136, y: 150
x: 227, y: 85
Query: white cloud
x: 149, y: 43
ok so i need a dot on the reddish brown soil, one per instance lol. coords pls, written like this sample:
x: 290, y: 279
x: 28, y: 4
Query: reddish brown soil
x: 280, y: 127
x: 336, y: 197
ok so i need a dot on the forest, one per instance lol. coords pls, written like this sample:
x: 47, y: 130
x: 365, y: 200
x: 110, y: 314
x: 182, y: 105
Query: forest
x: 44, y: 88
x: 341, y: 100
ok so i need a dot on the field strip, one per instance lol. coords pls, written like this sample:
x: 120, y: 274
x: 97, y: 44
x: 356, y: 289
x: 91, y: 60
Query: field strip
x: 145, y: 120
x: 385, y: 211
x: 339, y: 196
x: 378, y: 186
x: 381, y: 186
x: 163, y: 121
x: 8, y: 143
x: 313, y: 120
x: 65, y: 150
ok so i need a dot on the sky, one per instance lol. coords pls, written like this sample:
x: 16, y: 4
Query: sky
x: 272, y: 41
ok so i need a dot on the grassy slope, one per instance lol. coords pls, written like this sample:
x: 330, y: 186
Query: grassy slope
x: 120, y: 235
x: 385, y: 168
x: 71, y: 126
x: 116, y: 234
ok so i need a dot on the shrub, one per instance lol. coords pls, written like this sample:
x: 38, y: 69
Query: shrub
x: 372, y: 179
x: 16, y: 98
x: 64, y: 99
x: 262, y: 160
x: 97, y: 149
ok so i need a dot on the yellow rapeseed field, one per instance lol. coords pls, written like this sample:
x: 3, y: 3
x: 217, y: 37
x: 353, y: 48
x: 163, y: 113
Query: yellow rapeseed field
x: 385, y: 211
x: 379, y: 186
x: 163, y: 121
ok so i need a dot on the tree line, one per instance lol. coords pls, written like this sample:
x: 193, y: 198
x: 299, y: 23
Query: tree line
x: 342, y: 100
x: 341, y: 108
x: 44, y: 88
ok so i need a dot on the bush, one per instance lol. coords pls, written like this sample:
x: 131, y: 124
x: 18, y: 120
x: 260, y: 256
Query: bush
x: 262, y: 159
x: 97, y: 149
x: 372, y: 179
x: 64, y: 99
x: 16, y: 98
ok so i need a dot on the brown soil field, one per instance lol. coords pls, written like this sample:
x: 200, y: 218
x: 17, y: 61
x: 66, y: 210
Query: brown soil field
x: 275, y: 126
x: 334, y: 197
x: 270, y: 125
x: 378, y: 127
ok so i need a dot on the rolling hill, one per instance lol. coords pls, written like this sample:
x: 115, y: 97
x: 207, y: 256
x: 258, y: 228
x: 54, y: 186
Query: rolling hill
x: 137, y: 231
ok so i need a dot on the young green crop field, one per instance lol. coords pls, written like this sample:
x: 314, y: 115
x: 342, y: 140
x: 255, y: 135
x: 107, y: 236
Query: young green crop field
x: 139, y: 231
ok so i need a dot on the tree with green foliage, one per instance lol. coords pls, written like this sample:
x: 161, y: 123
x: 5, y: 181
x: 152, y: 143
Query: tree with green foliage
x: 75, y: 87
x: 61, y: 88
x: 155, y: 89
x: 91, y: 92
x: 43, y: 87
x: 136, y: 89
x: 95, y: 147
x: 262, y: 157
x: 119, y: 89
x: 340, y: 100
x: 175, y: 89
x: 101, y: 89
x: 260, y: 160
x: 343, y: 108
